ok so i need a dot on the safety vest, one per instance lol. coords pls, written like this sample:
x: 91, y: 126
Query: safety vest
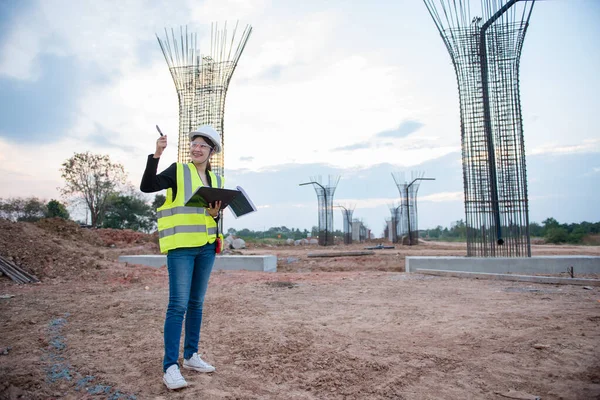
x: 183, y: 226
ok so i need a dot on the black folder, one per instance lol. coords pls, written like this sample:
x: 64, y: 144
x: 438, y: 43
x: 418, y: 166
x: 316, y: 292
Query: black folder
x: 238, y: 201
x: 206, y: 195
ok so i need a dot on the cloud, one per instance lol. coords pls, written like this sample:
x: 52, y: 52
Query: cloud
x: 248, y: 158
x: 355, y: 146
x: 443, y: 197
x: 593, y: 171
x: 405, y: 129
x: 300, y: 205
x: 221, y: 10
x: 42, y: 109
x: 272, y: 73
x: 368, y: 203
x: 19, y: 43
x: 587, y: 146
x: 105, y: 138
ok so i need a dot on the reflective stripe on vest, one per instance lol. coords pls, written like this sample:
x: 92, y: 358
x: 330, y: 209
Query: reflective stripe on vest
x: 182, y: 226
x: 187, y: 178
x: 186, y: 229
x: 182, y: 210
x: 187, y: 183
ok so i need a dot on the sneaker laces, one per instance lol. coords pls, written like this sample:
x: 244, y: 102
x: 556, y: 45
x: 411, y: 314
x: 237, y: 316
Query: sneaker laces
x: 197, y: 358
x: 175, y: 373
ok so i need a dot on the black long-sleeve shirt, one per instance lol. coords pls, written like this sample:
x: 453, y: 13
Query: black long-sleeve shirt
x: 153, y: 182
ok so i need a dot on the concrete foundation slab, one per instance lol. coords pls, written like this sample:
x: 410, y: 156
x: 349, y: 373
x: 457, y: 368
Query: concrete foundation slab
x: 262, y: 263
x: 510, y: 277
x: 506, y: 265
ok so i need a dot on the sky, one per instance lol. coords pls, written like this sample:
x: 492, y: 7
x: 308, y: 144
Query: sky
x: 359, y: 90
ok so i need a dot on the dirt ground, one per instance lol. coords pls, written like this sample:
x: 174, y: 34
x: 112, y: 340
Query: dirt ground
x: 319, y: 328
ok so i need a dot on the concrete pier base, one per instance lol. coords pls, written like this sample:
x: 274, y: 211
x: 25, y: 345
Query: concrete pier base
x: 266, y: 263
x: 507, y: 265
x: 510, y: 277
x: 505, y: 268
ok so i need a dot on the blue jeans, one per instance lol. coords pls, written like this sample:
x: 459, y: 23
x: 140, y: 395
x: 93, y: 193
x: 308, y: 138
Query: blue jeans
x: 189, y: 271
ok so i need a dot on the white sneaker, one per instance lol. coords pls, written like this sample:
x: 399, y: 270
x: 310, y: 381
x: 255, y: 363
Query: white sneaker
x: 198, y: 364
x: 173, y: 378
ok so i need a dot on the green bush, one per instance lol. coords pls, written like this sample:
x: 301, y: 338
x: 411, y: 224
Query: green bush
x: 556, y: 235
x: 54, y: 208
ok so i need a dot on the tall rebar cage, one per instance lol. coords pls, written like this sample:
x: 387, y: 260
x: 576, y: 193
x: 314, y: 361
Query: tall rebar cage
x: 486, y: 50
x: 202, y: 81
x: 408, y: 221
x: 396, y: 215
x: 347, y: 212
x: 359, y: 230
x: 325, y: 203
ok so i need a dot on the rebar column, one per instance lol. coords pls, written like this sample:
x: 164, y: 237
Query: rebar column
x: 408, y: 205
x: 202, y: 81
x: 359, y: 230
x: 325, y: 204
x: 486, y: 50
x: 395, y: 210
x: 347, y: 212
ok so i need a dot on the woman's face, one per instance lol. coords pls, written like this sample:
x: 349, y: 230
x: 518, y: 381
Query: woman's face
x: 200, y: 149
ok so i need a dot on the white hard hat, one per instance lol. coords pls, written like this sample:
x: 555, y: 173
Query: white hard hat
x: 208, y: 132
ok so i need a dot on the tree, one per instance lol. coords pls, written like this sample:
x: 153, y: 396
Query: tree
x: 34, y: 209
x: 159, y: 200
x: 128, y: 211
x: 92, y: 179
x: 314, y: 231
x: 54, y: 208
x: 10, y: 207
x: 550, y: 223
x: 29, y: 209
x: 245, y: 233
x: 536, y: 230
x: 556, y: 235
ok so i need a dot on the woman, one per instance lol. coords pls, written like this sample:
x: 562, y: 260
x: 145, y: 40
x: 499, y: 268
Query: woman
x: 188, y: 236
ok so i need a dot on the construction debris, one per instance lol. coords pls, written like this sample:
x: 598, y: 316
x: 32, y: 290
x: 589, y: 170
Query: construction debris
x: 58, y: 249
x: 342, y: 254
x: 15, y: 273
x: 514, y: 394
x: 379, y: 247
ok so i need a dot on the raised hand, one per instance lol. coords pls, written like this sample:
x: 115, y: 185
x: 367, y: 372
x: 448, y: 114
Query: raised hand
x: 161, y: 145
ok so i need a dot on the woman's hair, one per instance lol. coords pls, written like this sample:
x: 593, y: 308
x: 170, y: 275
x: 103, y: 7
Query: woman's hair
x: 208, y: 141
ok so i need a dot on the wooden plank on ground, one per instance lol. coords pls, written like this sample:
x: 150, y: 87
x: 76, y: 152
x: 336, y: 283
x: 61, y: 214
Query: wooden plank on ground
x: 14, y: 272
